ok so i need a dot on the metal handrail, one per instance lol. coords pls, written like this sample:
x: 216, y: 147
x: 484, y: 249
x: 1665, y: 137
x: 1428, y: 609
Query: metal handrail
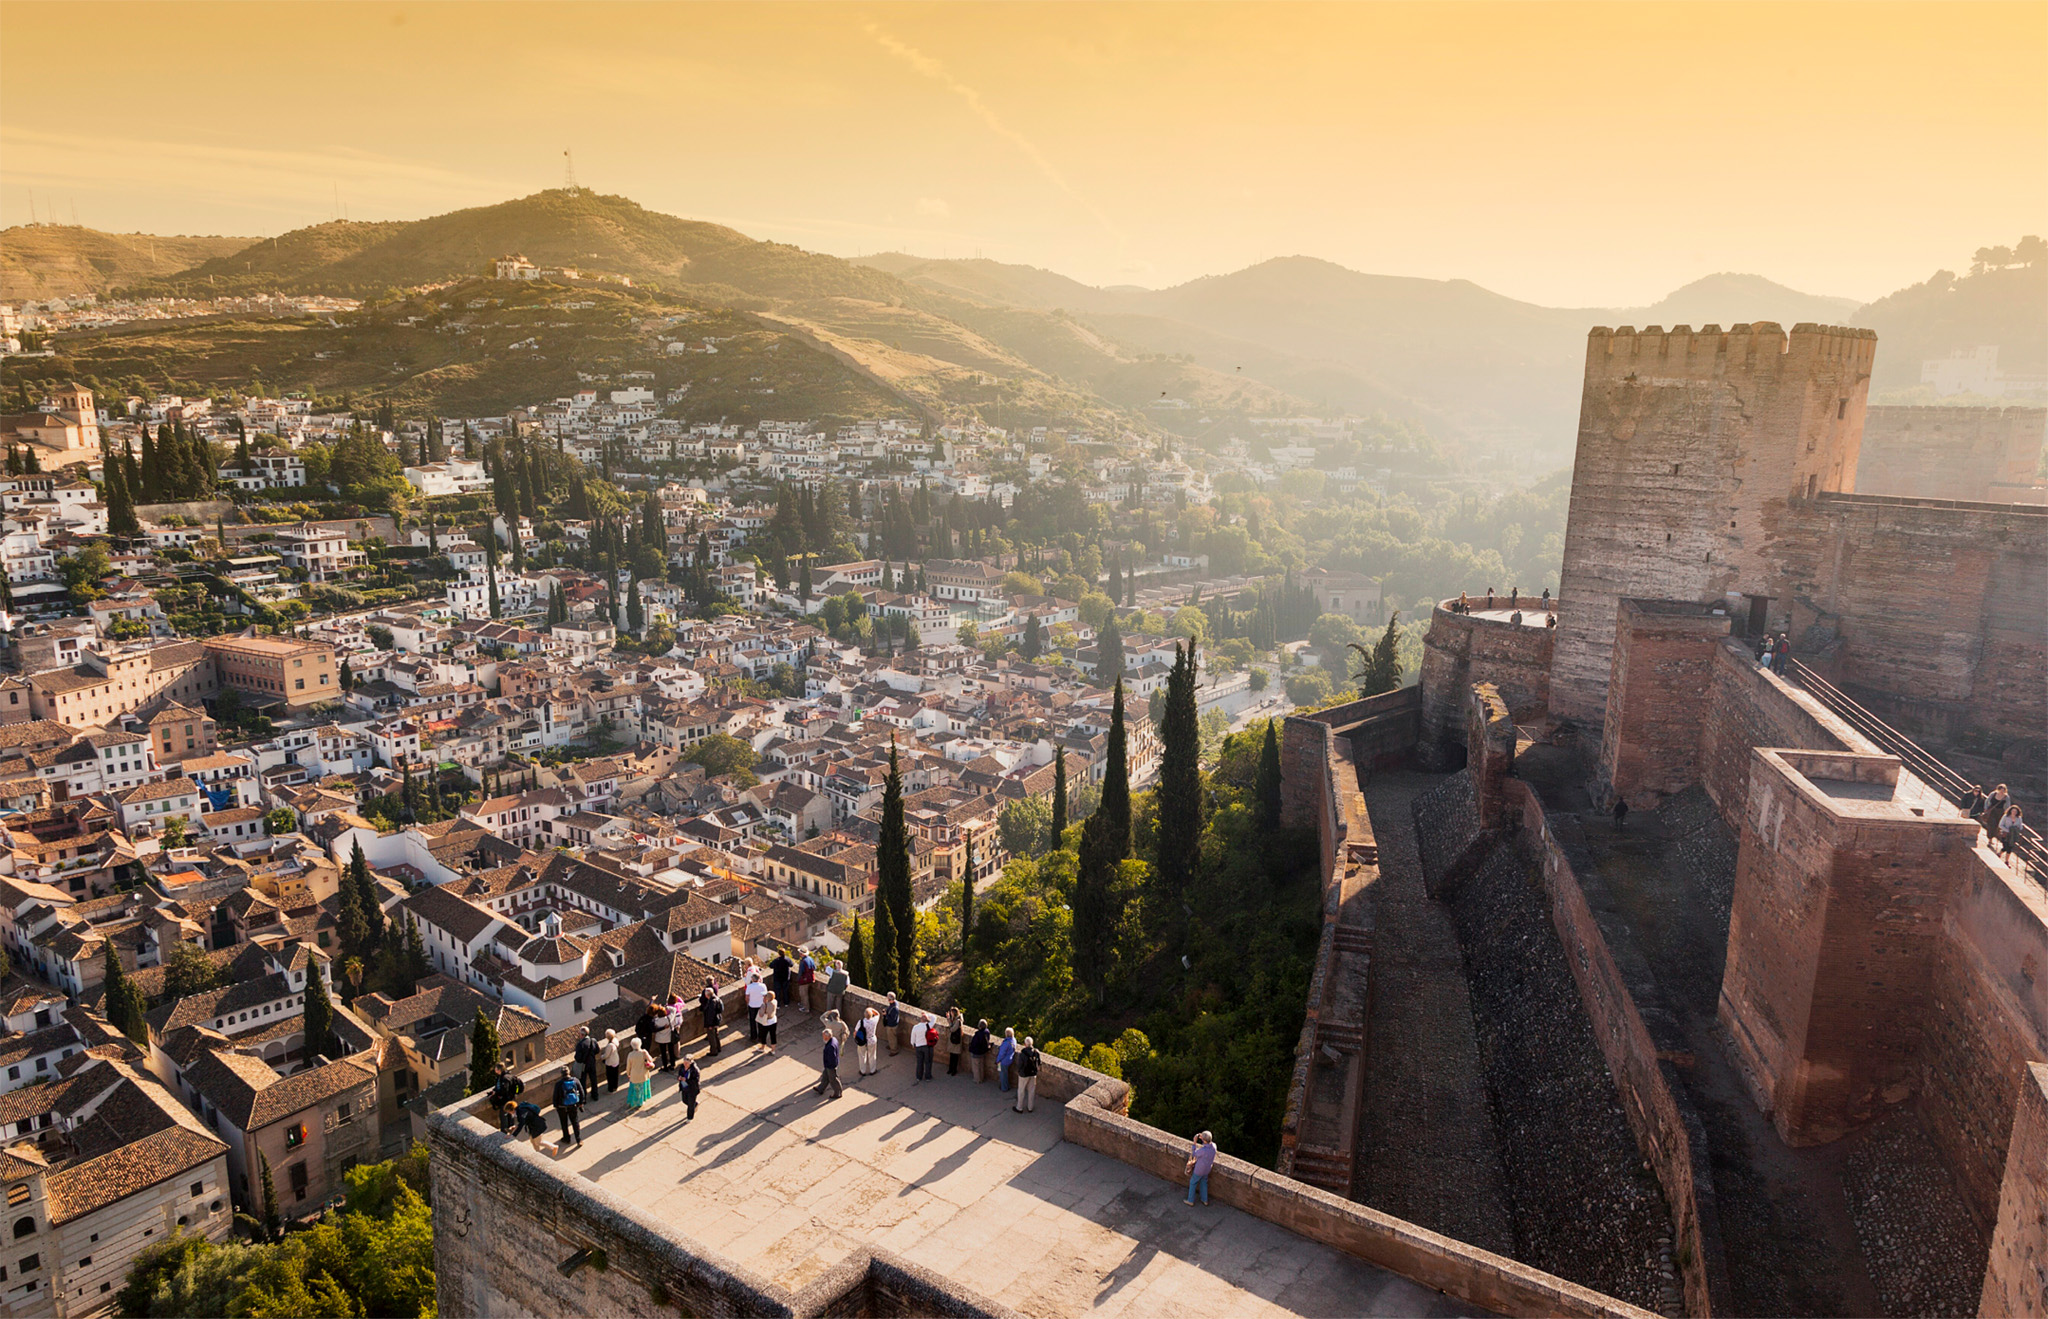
x: 1938, y: 775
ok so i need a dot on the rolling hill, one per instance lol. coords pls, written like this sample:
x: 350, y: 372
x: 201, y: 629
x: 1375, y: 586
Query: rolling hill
x: 1020, y: 345
x: 43, y: 261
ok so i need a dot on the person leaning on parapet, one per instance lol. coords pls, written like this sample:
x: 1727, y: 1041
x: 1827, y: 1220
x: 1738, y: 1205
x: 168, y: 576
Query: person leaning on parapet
x: 779, y: 972
x: 836, y: 981
x: 806, y: 976
x: 766, y: 1020
x: 522, y: 1121
x: 978, y: 1051
x: 586, y: 1063
x: 664, y: 1037
x: 757, y: 994
x: 713, y: 1008
x: 505, y: 1088
x: 1027, y: 1077
x: 892, y: 1017
x: 956, y: 1039
x: 921, y: 1047
x: 1006, y: 1058
x: 1201, y: 1158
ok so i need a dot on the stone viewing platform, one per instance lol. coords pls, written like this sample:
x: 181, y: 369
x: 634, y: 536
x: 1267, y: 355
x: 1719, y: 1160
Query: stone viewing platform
x: 905, y: 1197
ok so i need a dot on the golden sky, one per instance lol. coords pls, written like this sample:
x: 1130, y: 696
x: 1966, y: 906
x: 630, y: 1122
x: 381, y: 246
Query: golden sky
x: 1569, y: 154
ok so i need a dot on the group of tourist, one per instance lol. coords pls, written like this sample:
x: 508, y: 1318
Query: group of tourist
x: 1463, y: 605
x: 1774, y: 652
x: 1998, y: 814
x: 653, y: 1047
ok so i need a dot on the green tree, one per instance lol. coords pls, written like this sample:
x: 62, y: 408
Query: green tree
x: 1380, y: 671
x: 1116, y: 780
x: 1025, y: 826
x: 187, y: 971
x: 124, y: 1000
x: 1180, y: 794
x: 1267, y: 789
x: 967, y: 908
x: 1034, y: 644
x: 721, y: 753
x: 1059, y: 795
x: 121, y: 519
x: 857, y: 958
x: 319, y: 1014
x: 272, y: 1219
x: 636, y: 613
x: 892, y: 879
x: 1109, y: 651
x: 484, y: 1053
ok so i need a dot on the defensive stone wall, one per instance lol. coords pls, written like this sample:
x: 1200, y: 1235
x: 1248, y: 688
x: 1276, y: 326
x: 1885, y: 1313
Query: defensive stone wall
x: 2016, y: 1281
x: 1691, y: 449
x: 1639, y: 1048
x: 1650, y: 740
x: 1937, y: 607
x: 1462, y: 649
x: 1987, y: 1020
x: 1747, y: 707
x: 1978, y: 454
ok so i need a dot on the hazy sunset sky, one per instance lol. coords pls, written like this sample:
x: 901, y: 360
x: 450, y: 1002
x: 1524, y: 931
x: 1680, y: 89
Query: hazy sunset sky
x: 1567, y: 154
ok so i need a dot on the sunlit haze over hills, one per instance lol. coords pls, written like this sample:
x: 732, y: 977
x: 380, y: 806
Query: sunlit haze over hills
x: 1573, y: 155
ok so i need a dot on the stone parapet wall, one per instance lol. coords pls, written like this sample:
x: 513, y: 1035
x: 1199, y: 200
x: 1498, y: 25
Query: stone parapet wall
x: 1660, y: 1114
x: 1462, y: 649
x: 1747, y: 708
x: 1094, y: 1119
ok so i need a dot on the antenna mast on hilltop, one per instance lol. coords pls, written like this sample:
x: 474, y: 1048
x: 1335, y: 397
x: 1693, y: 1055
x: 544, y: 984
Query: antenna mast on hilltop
x: 568, y: 172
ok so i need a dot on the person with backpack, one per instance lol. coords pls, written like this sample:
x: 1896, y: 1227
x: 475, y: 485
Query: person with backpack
x: 1027, y: 1077
x: 892, y: 1017
x: 506, y: 1088
x: 586, y: 1064
x: 866, y: 1036
x: 522, y: 1121
x: 568, y: 1106
x: 977, y: 1051
x: 689, y: 1083
x: 956, y: 1039
x: 1006, y: 1059
x: 712, y: 1007
x: 922, y: 1032
x: 828, y: 1077
x: 664, y: 1038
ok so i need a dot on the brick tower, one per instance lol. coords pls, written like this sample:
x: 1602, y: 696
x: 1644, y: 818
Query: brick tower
x: 1693, y: 446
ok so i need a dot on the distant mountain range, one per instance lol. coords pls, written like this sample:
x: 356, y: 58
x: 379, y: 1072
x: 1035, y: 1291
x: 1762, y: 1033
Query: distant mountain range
x: 1018, y: 343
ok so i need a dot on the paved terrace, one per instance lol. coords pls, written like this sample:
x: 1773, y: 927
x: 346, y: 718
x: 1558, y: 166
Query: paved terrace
x: 945, y: 1174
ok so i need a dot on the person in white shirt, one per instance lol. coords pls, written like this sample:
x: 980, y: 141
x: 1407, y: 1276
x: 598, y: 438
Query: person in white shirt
x: 757, y: 994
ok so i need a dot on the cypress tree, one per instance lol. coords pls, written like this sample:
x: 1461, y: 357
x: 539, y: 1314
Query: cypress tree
x: 1267, y: 783
x: 319, y: 1014
x: 882, y: 958
x: 1059, y: 795
x: 1109, y: 652
x: 151, y: 486
x: 967, y: 907
x: 121, y: 519
x: 1096, y: 909
x: 123, y: 1002
x: 485, y: 1053
x: 1034, y: 645
x: 857, y: 958
x: 1116, y: 782
x: 803, y: 581
x: 271, y: 1218
x: 636, y: 613
x: 893, y: 866
x: 491, y: 577
x: 1180, y: 789
x: 536, y: 480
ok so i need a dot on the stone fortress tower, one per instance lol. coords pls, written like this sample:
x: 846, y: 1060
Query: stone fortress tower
x: 1692, y: 448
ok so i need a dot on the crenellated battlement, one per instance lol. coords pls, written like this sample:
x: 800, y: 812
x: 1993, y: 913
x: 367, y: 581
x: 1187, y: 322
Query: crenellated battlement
x: 1751, y: 348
